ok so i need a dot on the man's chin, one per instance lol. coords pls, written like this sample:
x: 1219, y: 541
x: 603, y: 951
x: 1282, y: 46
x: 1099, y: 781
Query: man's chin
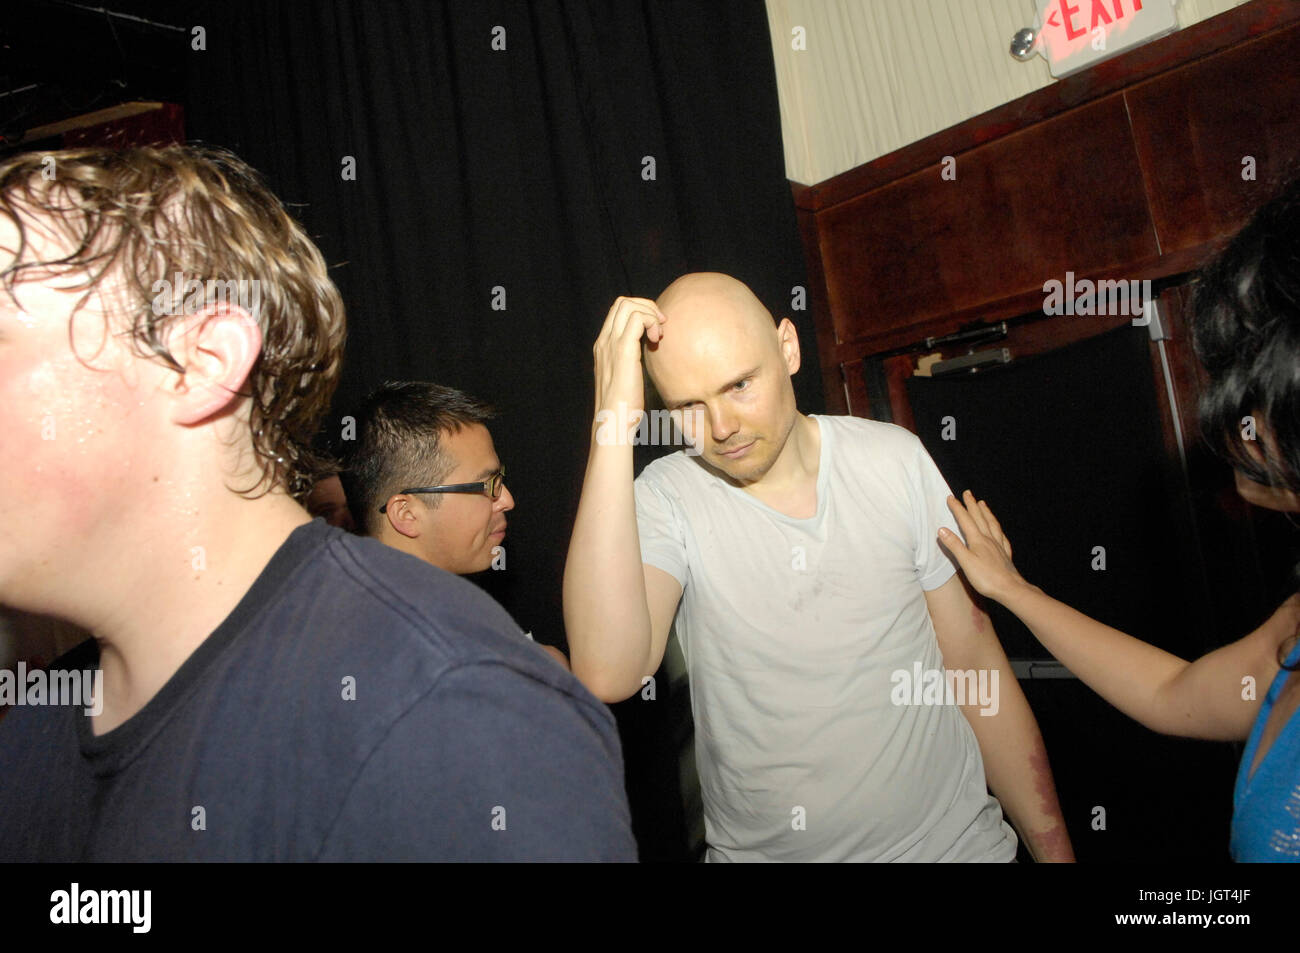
x: 741, y: 471
x: 479, y: 565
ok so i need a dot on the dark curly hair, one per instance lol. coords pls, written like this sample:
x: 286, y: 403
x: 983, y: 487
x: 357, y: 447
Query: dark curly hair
x: 1246, y: 331
x: 178, y: 218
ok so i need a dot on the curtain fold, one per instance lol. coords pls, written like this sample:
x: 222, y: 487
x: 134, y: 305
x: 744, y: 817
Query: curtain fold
x: 605, y: 150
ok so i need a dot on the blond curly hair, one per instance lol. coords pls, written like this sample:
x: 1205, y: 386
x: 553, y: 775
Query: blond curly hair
x: 164, y: 220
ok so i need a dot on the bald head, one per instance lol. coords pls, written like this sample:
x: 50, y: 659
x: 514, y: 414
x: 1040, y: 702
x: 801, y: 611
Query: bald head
x: 711, y: 317
x: 707, y: 296
x: 711, y: 288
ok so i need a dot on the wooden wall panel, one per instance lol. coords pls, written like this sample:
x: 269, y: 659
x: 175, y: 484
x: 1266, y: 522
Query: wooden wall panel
x: 1193, y: 126
x: 1243, y: 23
x: 1065, y: 195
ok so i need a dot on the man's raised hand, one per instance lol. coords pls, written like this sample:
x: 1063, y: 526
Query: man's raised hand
x: 617, y: 351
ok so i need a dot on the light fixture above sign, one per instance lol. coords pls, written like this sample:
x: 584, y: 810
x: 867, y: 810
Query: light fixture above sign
x: 1075, y: 34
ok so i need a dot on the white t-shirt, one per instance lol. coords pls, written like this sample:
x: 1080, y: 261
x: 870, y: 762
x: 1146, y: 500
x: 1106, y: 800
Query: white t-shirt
x: 792, y: 630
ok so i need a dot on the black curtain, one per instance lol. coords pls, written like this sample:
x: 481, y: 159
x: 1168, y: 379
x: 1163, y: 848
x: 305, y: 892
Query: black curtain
x: 607, y: 149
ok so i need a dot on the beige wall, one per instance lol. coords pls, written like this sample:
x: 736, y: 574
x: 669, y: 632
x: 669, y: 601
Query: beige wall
x: 879, y: 74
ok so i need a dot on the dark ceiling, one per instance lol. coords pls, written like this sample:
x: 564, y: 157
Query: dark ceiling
x: 62, y: 58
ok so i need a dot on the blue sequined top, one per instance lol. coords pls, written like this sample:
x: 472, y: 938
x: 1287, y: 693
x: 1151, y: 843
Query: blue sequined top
x: 1266, y: 806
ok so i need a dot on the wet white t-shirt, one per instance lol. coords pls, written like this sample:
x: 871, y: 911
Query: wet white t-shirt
x: 793, y: 632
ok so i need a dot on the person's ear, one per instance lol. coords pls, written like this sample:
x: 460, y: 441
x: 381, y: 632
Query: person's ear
x: 788, y: 338
x: 1268, y: 497
x: 218, y: 348
x: 402, y: 516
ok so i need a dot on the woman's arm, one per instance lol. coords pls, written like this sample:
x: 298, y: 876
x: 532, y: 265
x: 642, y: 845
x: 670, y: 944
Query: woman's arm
x: 1216, y: 697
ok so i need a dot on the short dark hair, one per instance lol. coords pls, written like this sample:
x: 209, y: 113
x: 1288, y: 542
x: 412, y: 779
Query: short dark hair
x: 399, y: 443
x: 1246, y: 331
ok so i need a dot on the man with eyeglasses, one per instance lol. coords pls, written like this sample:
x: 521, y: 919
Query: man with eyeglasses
x: 423, y: 477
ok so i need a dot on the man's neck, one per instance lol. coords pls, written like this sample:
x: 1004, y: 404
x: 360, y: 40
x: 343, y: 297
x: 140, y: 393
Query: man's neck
x: 177, y: 586
x: 796, y: 467
x: 790, y: 486
x: 405, y: 544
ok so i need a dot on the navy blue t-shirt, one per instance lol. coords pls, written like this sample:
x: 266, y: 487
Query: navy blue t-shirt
x: 357, y: 704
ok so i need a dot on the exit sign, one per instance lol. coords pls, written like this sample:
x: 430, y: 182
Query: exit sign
x: 1076, y: 34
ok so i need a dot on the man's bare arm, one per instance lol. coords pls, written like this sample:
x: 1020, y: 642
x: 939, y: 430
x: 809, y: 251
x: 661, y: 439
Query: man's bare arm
x: 617, y: 611
x: 1015, y: 759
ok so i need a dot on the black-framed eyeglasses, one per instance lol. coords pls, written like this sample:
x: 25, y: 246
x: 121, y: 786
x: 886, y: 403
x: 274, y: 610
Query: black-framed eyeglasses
x: 491, y: 486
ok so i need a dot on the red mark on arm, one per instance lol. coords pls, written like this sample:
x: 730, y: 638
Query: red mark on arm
x: 1052, y: 844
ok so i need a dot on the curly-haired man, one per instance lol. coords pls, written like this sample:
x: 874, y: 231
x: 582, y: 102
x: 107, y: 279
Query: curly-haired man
x: 272, y: 688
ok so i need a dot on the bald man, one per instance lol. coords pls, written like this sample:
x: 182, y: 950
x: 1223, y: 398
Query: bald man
x: 798, y: 556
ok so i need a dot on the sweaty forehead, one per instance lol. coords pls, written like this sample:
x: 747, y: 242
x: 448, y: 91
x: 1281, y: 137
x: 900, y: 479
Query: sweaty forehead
x: 8, y: 241
x: 43, y: 238
x: 46, y: 234
x: 35, y: 232
x: 42, y: 289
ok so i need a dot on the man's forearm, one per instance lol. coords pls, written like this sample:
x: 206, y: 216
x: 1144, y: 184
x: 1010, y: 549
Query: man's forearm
x: 1015, y: 761
x: 606, y: 617
x: 1017, y: 769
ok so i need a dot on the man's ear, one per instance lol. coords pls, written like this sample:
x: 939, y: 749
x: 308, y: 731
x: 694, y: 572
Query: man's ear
x: 402, y: 516
x: 218, y: 348
x: 788, y: 338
